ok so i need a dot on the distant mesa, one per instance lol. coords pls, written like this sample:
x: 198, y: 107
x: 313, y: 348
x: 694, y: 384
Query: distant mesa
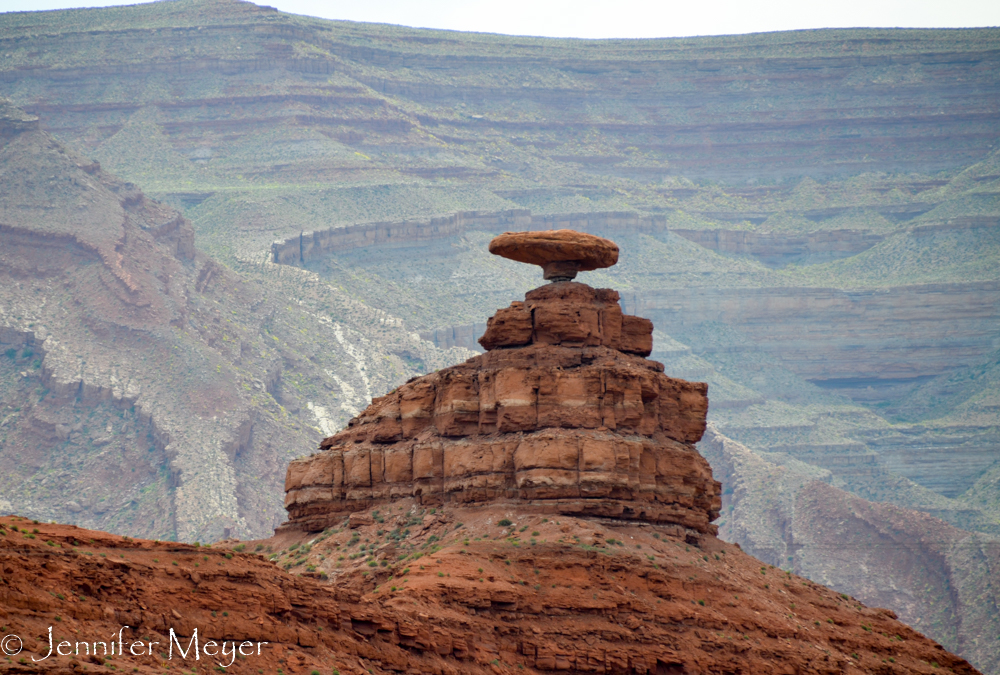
x: 560, y: 253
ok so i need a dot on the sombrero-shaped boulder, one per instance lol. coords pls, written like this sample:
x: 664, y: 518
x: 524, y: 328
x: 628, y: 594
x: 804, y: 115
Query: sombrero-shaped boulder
x: 560, y: 253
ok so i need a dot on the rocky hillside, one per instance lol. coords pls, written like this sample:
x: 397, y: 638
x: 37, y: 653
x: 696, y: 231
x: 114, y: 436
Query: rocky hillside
x: 147, y: 389
x: 455, y: 590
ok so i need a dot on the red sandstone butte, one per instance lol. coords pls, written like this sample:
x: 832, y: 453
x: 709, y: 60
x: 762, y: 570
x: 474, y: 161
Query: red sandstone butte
x: 562, y: 415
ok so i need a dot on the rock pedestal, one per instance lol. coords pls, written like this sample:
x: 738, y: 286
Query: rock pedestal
x: 563, y: 414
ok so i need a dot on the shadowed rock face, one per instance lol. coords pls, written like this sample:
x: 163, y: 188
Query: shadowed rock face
x: 562, y: 413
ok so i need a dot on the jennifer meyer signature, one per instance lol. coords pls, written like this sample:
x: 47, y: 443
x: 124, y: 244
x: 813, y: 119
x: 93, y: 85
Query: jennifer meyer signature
x: 11, y: 645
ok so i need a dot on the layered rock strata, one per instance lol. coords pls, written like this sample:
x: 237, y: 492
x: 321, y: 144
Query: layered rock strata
x: 563, y: 413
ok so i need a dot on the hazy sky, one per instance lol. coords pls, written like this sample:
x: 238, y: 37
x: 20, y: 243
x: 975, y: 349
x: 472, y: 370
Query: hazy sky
x: 623, y: 18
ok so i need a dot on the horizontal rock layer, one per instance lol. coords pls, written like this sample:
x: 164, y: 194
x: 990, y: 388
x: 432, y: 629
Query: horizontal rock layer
x: 710, y: 128
x: 569, y: 314
x: 572, y: 472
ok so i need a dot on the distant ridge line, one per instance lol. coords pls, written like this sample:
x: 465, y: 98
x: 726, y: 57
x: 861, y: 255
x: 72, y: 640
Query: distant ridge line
x: 311, y: 245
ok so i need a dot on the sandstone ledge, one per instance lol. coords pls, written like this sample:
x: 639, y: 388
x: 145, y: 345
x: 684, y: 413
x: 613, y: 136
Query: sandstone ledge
x: 578, y: 472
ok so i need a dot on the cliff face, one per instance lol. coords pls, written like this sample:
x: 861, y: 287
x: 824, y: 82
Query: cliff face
x: 91, y: 270
x: 562, y: 414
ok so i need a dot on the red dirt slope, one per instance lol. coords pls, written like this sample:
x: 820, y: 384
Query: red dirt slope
x: 448, y: 591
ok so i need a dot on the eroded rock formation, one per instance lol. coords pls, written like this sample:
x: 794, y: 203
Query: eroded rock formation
x: 563, y: 413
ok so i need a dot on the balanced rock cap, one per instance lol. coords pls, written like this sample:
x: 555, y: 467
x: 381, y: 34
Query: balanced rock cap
x: 560, y: 253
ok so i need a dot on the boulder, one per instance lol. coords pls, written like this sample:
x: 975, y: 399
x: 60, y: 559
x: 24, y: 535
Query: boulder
x: 560, y: 253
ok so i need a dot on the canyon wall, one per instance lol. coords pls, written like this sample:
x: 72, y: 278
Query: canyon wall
x: 309, y: 246
x: 894, y: 84
x: 140, y: 380
x: 861, y: 342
